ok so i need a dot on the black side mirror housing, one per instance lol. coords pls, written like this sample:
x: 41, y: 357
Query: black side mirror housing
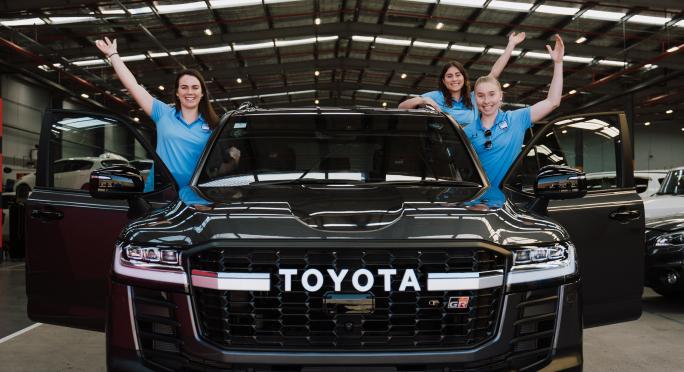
x: 560, y: 182
x: 117, y: 182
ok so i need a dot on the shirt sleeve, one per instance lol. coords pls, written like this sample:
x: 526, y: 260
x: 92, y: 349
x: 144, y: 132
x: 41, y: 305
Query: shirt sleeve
x: 159, y: 108
x: 521, y: 118
x: 435, y: 95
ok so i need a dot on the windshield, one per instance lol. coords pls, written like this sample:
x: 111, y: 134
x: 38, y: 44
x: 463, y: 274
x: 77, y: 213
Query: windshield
x: 673, y: 184
x: 337, y: 148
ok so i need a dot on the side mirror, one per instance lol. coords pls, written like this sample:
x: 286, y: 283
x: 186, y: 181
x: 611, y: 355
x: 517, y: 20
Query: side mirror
x: 117, y: 182
x: 560, y: 182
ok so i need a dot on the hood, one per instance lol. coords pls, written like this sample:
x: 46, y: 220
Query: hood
x: 656, y: 227
x: 351, y: 212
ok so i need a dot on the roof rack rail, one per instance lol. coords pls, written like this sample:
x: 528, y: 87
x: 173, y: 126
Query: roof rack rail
x: 246, y: 106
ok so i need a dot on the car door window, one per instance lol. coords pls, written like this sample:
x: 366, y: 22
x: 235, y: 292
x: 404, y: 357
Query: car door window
x: 82, y: 143
x: 587, y: 144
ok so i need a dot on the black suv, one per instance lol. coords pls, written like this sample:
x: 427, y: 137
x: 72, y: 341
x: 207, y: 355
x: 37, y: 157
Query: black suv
x: 342, y: 237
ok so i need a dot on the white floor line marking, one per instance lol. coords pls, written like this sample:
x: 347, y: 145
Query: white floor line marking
x: 11, y: 267
x: 19, y: 333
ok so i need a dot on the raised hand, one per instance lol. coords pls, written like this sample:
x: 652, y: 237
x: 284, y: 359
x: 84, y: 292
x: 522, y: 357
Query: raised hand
x: 106, y: 46
x: 558, y: 51
x: 516, y: 39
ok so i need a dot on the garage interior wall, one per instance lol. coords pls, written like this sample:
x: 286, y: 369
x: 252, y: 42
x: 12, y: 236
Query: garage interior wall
x: 22, y: 115
x: 658, y: 146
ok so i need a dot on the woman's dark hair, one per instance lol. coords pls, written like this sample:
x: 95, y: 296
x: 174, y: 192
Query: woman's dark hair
x: 205, y: 108
x: 465, y: 91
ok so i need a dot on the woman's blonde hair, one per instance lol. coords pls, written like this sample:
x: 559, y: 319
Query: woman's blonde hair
x: 487, y: 79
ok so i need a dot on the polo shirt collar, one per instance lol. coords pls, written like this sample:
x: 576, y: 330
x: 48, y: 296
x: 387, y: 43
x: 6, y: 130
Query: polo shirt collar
x: 179, y: 116
x: 499, y: 118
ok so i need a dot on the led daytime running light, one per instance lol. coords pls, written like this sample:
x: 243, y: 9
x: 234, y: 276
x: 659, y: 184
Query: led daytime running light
x: 152, y: 255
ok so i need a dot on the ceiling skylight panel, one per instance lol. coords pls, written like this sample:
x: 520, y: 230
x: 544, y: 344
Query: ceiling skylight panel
x: 64, y: 20
x: 321, y: 39
x: 184, y: 7
x: 649, y: 20
x: 143, y: 10
x: 22, y: 22
x: 469, y: 3
x: 560, y: 10
x: 602, y: 15
x: 510, y: 5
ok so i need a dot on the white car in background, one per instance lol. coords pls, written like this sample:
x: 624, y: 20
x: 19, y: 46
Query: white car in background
x: 647, y: 182
x: 71, y: 173
x: 669, y: 200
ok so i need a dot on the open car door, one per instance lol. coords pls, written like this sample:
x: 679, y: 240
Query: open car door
x: 70, y: 235
x: 606, y: 225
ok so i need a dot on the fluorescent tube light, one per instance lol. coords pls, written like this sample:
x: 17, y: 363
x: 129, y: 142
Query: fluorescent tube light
x: 365, y: 39
x: 424, y: 44
x: 184, y: 7
x: 221, y: 49
x: 239, y: 47
x: 560, y: 10
x: 509, y: 5
x: 23, y: 22
x: 602, y: 15
x: 400, y: 42
x: 466, y: 48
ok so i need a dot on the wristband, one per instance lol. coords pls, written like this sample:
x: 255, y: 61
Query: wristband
x: 110, y: 56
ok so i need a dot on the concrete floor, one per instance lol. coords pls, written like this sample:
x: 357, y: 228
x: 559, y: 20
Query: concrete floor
x: 652, y: 343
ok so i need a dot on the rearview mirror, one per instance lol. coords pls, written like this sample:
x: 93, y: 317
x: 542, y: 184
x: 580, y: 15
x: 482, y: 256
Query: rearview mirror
x: 117, y: 182
x: 560, y: 182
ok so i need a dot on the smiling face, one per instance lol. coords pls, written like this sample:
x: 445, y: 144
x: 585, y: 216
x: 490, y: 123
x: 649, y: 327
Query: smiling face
x: 453, y: 80
x: 189, y: 92
x: 488, y: 96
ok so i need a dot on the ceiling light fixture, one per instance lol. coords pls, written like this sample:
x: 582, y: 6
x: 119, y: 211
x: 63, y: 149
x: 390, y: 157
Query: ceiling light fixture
x: 647, y: 123
x: 161, y: 87
x: 572, y: 92
x: 316, y: 101
x: 136, y: 119
x: 384, y: 104
x: 581, y: 40
x: 238, y: 80
x: 506, y: 85
x: 673, y: 49
x: 439, y: 25
x: 317, y: 73
x: 317, y: 21
x: 208, y: 32
x: 669, y: 111
x: 85, y: 95
x: 403, y: 76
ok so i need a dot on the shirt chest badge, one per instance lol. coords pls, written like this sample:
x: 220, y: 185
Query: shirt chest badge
x: 205, y: 127
x: 503, y: 125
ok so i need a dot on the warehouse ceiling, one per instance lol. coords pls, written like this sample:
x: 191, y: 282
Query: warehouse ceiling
x: 353, y: 52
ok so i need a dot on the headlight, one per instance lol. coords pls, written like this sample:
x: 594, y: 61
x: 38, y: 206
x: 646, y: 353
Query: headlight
x: 669, y: 243
x: 540, y: 263
x: 150, y: 263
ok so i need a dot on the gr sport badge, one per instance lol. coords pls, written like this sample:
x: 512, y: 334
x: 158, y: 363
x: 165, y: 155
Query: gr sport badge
x: 458, y: 302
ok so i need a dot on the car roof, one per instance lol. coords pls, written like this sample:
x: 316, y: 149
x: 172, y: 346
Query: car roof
x: 251, y: 110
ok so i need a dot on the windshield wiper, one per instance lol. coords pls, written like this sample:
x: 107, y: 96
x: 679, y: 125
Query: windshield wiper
x: 305, y: 181
x: 449, y: 183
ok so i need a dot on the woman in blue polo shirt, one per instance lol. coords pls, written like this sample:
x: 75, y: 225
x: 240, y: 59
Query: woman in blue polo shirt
x: 454, y: 96
x: 183, y: 130
x: 498, y: 136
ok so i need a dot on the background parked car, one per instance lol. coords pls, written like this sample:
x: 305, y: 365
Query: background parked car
x: 647, y: 182
x: 669, y: 200
x: 71, y: 173
x: 664, y: 268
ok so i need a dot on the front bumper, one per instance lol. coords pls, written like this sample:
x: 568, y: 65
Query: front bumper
x: 661, y: 265
x: 150, y: 329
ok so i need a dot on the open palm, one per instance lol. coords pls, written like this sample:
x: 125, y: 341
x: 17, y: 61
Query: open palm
x: 106, y: 46
x: 516, y: 39
x: 558, y: 51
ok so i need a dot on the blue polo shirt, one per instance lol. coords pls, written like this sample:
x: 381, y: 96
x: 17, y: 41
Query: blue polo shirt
x: 179, y: 144
x: 458, y: 111
x: 508, y: 134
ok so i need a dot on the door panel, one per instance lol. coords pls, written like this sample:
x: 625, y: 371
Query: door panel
x: 607, y: 225
x: 70, y: 235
